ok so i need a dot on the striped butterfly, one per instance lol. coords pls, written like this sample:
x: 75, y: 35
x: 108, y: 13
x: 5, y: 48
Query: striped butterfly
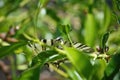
x: 59, y: 41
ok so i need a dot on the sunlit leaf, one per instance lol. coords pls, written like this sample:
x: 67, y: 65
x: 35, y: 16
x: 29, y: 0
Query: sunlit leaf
x: 90, y: 29
x: 107, y: 18
x: 80, y: 61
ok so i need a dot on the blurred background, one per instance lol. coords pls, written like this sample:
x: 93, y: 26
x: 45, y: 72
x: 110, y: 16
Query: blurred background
x: 89, y: 20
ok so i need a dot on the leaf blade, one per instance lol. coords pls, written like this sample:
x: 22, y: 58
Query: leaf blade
x: 80, y: 61
x: 37, y: 63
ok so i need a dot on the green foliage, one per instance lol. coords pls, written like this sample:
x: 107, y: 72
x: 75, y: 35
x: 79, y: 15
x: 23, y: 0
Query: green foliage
x: 37, y: 63
x: 10, y: 49
x: 31, y: 73
x: 65, y: 29
x: 107, y: 18
x: 113, y: 66
x: 104, y: 40
x: 23, y: 23
x: 91, y: 29
x: 43, y: 2
x: 99, y: 68
x: 73, y: 74
x: 80, y: 62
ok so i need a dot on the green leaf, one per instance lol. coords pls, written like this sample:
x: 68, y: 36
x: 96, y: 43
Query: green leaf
x: 98, y: 71
x: 107, y: 18
x: 5, y: 50
x: 46, y: 56
x: 73, y: 74
x: 38, y: 61
x: 31, y: 73
x: 104, y: 40
x: 113, y: 66
x: 65, y: 29
x: 90, y: 30
x: 80, y: 61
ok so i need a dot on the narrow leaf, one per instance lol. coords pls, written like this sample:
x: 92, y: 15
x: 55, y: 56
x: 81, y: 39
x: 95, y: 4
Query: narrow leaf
x: 107, y: 18
x: 90, y: 29
x: 104, y: 40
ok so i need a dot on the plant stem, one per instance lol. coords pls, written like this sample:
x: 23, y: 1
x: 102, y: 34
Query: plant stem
x: 59, y: 71
x: 13, y: 67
